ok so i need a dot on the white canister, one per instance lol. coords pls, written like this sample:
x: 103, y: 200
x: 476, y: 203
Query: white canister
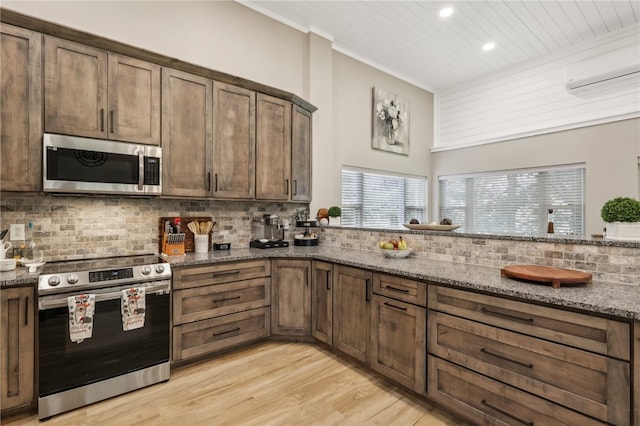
x: 201, y: 243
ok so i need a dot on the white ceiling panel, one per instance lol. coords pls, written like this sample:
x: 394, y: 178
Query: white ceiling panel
x: 409, y: 39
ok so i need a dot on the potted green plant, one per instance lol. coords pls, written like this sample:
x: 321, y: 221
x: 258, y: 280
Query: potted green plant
x: 335, y: 214
x: 622, y: 219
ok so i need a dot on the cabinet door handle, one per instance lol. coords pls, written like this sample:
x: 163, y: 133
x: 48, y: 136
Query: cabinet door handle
x: 398, y: 290
x: 215, y: 179
x: 226, y: 332
x: 366, y: 289
x: 505, y: 316
x: 287, y: 187
x: 102, y: 119
x: 494, y: 408
x: 223, y: 273
x: 295, y: 187
x: 209, y: 182
x: 504, y: 358
x: 111, y: 120
x: 26, y: 310
x: 224, y: 300
x: 394, y: 306
x: 328, y: 280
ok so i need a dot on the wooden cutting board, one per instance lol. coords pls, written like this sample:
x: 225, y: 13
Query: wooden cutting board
x: 546, y: 274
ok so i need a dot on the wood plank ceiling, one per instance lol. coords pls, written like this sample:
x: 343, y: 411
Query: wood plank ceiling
x: 411, y: 41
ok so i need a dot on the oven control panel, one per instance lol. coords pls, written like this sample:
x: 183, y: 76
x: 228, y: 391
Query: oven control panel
x: 81, y: 280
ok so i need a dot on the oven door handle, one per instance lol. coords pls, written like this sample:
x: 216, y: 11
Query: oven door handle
x: 50, y: 302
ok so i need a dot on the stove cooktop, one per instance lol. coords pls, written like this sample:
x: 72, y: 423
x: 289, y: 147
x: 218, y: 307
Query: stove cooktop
x: 65, y: 276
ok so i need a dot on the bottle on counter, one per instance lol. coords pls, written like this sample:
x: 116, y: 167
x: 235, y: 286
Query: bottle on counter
x: 550, y: 230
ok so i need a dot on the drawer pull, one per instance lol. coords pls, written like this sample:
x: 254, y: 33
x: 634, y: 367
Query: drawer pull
x: 506, y: 316
x: 226, y: 332
x: 366, y: 290
x: 221, y: 274
x: 394, y: 306
x: 494, y: 408
x: 224, y: 300
x: 502, y: 357
x: 398, y: 290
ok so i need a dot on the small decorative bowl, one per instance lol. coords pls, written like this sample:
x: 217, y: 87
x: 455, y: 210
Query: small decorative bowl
x: 396, y: 253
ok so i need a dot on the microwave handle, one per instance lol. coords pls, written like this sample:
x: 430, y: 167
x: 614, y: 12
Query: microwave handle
x: 140, y: 170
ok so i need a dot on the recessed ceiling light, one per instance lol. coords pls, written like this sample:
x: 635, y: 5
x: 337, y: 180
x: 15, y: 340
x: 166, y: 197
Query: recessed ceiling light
x: 446, y: 12
x: 488, y: 46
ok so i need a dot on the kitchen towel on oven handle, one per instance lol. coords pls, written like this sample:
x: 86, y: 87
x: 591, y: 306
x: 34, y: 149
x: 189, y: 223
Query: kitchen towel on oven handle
x: 133, y: 308
x: 81, y: 309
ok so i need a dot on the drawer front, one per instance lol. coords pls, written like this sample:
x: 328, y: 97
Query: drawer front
x: 588, y: 383
x: 400, y: 289
x: 595, y: 334
x: 222, y: 273
x: 202, y: 337
x: 489, y: 402
x: 198, y: 303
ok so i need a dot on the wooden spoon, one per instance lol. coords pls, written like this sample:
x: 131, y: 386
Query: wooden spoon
x: 193, y: 227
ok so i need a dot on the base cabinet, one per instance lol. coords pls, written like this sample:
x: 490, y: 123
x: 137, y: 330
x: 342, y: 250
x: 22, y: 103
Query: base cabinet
x: 17, y: 347
x: 321, y: 301
x: 291, y: 297
x: 220, y: 306
x: 551, y: 364
x: 351, y: 310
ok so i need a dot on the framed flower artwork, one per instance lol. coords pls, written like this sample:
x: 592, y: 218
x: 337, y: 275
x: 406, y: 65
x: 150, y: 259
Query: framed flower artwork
x: 390, y: 125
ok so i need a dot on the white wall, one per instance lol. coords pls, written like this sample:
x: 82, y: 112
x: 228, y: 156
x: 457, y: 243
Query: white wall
x: 531, y: 98
x: 610, y: 152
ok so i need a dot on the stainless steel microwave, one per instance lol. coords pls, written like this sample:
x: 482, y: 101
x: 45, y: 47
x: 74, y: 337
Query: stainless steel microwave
x: 73, y: 164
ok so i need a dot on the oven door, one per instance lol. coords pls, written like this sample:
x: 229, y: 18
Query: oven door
x: 110, y: 352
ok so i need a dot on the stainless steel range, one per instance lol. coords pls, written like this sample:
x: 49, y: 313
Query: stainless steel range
x: 104, y: 329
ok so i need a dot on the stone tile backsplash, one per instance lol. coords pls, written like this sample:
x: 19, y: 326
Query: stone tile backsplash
x: 77, y: 227
x: 605, y: 263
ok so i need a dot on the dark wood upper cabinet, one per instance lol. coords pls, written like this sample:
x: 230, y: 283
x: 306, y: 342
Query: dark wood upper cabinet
x: 90, y: 92
x: 21, y: 112
x: 300, y: 154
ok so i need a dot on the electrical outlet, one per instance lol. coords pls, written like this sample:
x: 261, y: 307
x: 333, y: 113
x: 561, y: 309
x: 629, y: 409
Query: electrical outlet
x: 17, y: 232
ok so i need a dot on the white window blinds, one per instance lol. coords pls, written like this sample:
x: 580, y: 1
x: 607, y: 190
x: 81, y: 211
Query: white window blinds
x: 516, y: 202
x: 372, y: 199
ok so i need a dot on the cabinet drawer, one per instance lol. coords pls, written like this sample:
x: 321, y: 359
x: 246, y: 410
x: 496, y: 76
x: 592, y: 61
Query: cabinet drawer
x: 489, y: 402
x: 200, y: 303
x: 588, y: 383
x: 595, y: 334
x: 223, y: 273
x: 202, y: 337
x: 400, y: 288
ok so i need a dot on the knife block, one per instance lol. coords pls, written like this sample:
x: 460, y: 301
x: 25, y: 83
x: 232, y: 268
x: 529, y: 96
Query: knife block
x: 172, y: 248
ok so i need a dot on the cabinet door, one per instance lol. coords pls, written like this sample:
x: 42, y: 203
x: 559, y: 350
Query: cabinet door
x: 234, y: 141
x: 186, y: 134
x: 300, y: 154
x: 398, y: 342
x: 291, y: 297
x: 21, y: 112
x: 134, y: 100
x: 321, y: 301
x: 351, y: 310
x: 75, y: 89
x: 17, y: 347
x: 273, y: 148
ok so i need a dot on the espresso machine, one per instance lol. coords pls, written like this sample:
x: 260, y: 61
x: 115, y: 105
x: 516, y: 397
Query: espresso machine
x: 268, y: 232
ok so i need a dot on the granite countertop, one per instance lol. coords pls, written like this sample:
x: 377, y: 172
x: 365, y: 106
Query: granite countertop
x: 618, y: 300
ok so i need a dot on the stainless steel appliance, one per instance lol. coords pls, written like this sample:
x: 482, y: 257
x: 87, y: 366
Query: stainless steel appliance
x: 112, y: 361
x: 81, y: 165
x: 268, y: 232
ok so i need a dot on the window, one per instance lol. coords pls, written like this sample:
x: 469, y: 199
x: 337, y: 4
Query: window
x: 516, y: 202
x: 373, y: 199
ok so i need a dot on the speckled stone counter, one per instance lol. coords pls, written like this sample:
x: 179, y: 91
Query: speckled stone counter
x: 618, y: 300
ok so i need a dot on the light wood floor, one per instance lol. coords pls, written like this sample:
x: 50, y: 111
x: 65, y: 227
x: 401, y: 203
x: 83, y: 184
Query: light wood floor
x: 271, y: 383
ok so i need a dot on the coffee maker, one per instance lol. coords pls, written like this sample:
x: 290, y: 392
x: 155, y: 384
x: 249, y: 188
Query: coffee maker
x: 268, y: 232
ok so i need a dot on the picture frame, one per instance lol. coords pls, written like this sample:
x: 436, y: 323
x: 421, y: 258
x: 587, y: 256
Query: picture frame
x: 390, y: 122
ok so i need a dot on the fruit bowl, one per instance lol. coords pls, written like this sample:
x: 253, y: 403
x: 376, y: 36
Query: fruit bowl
x: 396, y: 253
